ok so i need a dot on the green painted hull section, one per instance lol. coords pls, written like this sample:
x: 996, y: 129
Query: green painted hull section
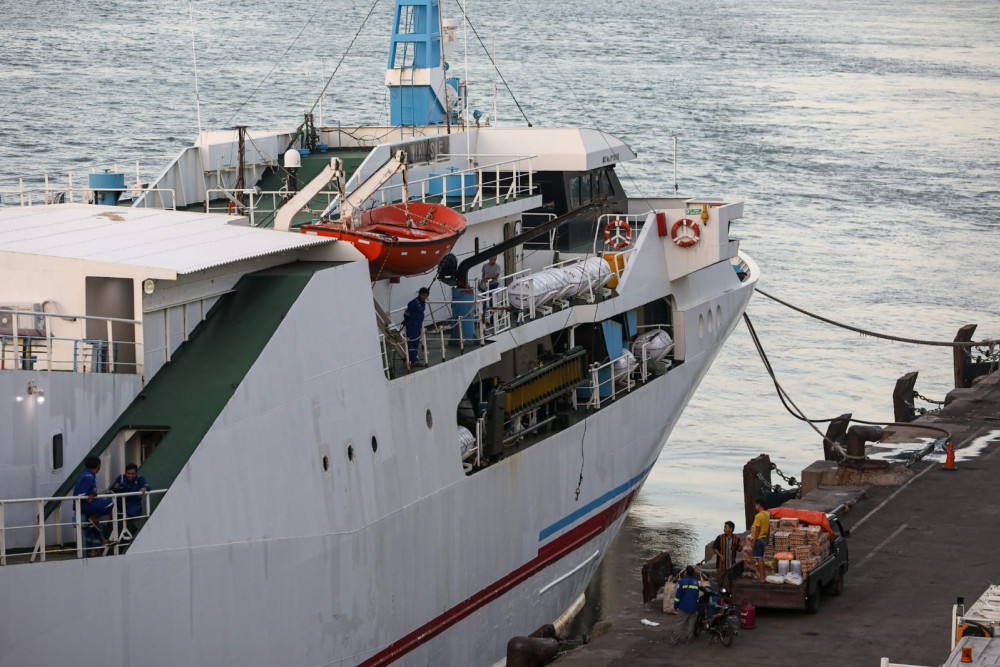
x: 189, y: 392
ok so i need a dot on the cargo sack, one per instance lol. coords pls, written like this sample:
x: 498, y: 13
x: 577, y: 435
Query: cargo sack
x: 669, y: 593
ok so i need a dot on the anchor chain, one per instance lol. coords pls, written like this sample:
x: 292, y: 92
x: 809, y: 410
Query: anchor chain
x: 917, y: 394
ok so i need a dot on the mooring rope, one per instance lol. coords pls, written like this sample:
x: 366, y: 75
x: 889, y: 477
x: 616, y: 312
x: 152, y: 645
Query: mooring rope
x: 796, y: 412
x: 875, y: 334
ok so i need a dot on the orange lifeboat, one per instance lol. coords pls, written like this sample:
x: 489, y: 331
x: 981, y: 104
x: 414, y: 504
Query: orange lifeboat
x: 399, y: 239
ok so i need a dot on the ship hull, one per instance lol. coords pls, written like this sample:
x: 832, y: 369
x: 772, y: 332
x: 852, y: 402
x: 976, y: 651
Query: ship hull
x: 259, y: 556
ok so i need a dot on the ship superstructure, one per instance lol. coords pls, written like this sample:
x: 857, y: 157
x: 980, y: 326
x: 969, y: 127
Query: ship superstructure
x: 318, y: 498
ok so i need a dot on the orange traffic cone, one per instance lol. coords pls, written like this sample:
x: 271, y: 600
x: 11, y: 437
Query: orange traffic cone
x: 949, y: 461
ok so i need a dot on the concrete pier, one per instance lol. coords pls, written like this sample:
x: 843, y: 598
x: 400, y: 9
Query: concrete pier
x: 914, y: 547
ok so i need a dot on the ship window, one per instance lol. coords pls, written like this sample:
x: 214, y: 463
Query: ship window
x: 326, y: 464
x: 374, y: 444
x: 350, y: 452
x: 574, y: 192
x: 57, y: 451
x: 585, y: 189
x: 407, y: 19
x: 430, y: 419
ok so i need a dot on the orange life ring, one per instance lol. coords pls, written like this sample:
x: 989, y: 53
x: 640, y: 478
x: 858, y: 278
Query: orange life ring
x: 232, y: 208
x: 617, y: 234
x: 687, y: 240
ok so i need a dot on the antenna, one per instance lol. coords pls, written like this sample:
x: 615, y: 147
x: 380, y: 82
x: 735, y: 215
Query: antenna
x: 675, y: 165
x: 194, y: 54
x: 465, y: 112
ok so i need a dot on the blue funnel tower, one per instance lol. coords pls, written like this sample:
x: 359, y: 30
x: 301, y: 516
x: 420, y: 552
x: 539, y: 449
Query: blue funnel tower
x: 419, y: 91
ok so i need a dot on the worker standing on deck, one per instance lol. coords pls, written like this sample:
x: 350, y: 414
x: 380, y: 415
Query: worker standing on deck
x: 758, y: 536
x: 414, y: 321
x: 726, y: 546
x: 686, y: 604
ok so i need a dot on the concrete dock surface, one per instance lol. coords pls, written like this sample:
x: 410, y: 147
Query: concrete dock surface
x: 914, y: 548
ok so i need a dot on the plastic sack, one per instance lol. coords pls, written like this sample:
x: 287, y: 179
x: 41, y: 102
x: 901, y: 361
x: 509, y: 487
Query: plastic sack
x: 794, y: 579
x: 775, y: 579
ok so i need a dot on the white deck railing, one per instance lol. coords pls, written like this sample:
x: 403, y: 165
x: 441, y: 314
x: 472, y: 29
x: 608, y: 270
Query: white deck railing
x: 57, y: 523
x: 261, y: 204
x: 26, y: 348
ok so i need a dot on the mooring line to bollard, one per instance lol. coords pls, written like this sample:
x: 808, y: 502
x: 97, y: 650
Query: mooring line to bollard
x: 875, y: 334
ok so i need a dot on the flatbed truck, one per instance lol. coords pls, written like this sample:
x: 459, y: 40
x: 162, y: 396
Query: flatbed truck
x: 827, y: 578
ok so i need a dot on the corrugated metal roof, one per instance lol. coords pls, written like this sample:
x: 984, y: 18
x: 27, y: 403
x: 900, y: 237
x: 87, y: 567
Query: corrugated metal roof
x: 180, y: 241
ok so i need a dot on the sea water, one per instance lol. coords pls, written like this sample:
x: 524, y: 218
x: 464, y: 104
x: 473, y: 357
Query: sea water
x: 864, y: 138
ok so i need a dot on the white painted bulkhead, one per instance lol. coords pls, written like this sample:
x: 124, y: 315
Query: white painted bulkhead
x: 257, y: 556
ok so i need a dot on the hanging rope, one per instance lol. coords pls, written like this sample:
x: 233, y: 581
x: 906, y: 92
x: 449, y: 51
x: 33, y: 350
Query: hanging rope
x: 874, y: 334
x: 343, y: 55
x: 493, y: 62
x: 278, y: 62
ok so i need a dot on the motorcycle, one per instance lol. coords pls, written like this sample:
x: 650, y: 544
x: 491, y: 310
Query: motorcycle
x: 718, y: 617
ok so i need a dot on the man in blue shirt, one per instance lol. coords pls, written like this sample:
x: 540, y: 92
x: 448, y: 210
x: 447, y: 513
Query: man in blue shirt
x: 131, y: 482
x: 414, y: 321
x: 92, y: 509
x: 686, y: 604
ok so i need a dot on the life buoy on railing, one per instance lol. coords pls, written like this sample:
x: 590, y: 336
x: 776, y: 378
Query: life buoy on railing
x: 617, y: 234
x: 685, y: 232
x: 232, y: 208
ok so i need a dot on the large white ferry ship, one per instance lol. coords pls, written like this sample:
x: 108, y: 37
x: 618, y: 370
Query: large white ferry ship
x: 325, y: 488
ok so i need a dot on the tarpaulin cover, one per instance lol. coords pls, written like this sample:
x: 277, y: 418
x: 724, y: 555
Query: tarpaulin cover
x: 810, y: 517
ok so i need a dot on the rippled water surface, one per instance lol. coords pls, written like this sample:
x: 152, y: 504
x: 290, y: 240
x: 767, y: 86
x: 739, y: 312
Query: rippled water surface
x: 864, y: 138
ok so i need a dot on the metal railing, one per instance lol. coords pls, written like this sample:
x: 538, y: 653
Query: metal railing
x: 49, y: 193
x: 635, y: 223
x: 56, y: 522
x: 27, y: 348
x: 261, y: 204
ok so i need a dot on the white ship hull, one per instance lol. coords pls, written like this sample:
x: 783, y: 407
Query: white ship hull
x: 257, y: 557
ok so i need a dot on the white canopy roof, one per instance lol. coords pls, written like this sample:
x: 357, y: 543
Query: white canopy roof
x: 177, y: 241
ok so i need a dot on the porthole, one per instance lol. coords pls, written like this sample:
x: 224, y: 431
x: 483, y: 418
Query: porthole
x: 326, y: 464
x: 374, y: 444
x: 701, y: 326
x: 718, y: 316
x: 711, y: 321
x: 350, y: 452
x: 430, y: 419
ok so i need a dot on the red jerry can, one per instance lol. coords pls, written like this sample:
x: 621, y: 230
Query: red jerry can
x: 748, y: 615
x: 661, y: 223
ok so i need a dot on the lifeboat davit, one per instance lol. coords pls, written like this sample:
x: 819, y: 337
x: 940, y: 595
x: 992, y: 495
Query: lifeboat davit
x: 399, y: 239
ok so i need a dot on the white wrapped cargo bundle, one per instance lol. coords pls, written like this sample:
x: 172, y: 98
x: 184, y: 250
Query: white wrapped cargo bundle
x: 657, y: 342
x: 623, y: 366
x: 542, y: 287
x: 592, y: 273
x: 558, y: 282
x: 467, y: 441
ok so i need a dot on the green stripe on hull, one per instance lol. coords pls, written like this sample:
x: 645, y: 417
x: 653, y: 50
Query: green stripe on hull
x: 189, y: 392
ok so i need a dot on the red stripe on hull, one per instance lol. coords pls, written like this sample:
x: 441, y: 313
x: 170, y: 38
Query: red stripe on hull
x: 547, y: 554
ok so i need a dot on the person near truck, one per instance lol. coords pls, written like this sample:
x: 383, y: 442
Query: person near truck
x: 686, y: 604
x: 726, y: 546
x: 758, y: 536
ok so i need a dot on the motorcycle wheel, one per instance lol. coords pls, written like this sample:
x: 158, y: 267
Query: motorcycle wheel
x: 728, y: 635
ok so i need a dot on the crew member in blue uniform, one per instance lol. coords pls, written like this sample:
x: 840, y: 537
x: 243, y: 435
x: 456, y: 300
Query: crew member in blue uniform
x: 414, y: 321
x: 686, y: 604
x: 91, y: 508
x: 131, y: 482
